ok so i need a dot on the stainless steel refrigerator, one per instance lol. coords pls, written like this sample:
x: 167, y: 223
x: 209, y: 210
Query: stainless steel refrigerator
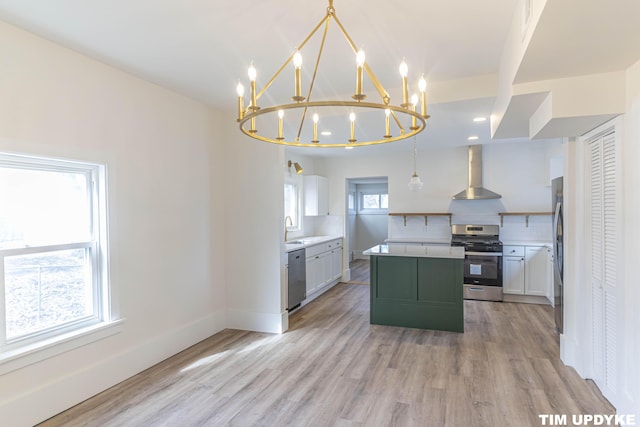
x: 558, y: 250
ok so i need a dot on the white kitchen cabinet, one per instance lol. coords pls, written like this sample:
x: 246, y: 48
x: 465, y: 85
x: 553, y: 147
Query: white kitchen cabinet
x: 336, y: 263
x: 513, y: 275
x: 324, y: 265
x: 525, y: 271
x: 535, y: 271
x: 316, y: 195
x: 318, y: 267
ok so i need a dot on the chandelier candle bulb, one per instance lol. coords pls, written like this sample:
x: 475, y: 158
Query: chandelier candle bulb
x: 240, y: 91
x: 359, y: 75
x: 297, y: 63
x: 315, y: 128
x: 422, y: 85
x: 352, y: 118
x: 280, y: 124
x: 252, y: 79
x: 404, y: 72
x: 387, y: 122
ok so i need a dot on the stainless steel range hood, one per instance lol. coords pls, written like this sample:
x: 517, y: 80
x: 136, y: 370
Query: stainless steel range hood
x: 475, y: 190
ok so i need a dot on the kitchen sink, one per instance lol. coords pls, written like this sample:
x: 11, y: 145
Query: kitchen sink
x: 307, y: 240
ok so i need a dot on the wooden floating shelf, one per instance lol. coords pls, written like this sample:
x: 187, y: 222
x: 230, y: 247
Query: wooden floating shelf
x: 524, y: 214
x: 424, y: 214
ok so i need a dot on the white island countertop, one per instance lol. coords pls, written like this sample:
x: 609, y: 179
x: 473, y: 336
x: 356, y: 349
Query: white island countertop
x: 427, y: 251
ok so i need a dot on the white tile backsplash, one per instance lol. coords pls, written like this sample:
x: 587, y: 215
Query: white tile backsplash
x: 514, y: 227
x: 327, y: 225
x: 437, y: 228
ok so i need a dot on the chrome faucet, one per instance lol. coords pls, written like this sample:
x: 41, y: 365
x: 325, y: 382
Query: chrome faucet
x: 285, y: 226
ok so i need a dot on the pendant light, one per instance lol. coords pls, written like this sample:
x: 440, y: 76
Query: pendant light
x: 415, y: 184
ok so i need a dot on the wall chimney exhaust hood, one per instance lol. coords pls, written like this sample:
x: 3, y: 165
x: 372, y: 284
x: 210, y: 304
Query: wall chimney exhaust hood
x: 475, y: 190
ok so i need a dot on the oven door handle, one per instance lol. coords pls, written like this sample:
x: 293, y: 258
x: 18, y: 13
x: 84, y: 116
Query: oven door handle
x: 484, y: 253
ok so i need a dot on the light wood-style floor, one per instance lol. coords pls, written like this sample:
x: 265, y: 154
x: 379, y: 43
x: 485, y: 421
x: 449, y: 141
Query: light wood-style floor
x: 332, y: 368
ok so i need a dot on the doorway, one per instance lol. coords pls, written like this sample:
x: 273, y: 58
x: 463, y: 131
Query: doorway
x: 366, y: 214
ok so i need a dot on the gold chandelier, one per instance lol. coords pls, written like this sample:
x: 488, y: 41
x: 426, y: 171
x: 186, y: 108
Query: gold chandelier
x: 254, y: 116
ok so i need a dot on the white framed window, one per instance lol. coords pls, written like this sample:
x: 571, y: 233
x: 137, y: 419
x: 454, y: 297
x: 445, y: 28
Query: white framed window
x: 53, y: 249
x: 373, y: 200
x: 292, y: 205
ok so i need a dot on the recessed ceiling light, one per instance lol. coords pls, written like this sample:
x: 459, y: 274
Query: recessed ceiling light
x: 472, y: 138
x: 348, y: 148
x: 325, y: 133
x: 480, y: 119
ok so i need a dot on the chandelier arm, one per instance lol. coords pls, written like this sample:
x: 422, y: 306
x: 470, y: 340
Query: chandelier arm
x: 275, y: 76
x: 376, y: 83
x: 372, y: 76
x: 315, y: 72
x: 397, y: 120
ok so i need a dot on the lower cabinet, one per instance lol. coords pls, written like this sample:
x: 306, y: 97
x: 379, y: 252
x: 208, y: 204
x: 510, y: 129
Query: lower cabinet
x: 324, y: 265
x: 535, y: 271
x: 512, y: 275
x: 336, y: 263
x: 317, y: 267
x: 525, y: 270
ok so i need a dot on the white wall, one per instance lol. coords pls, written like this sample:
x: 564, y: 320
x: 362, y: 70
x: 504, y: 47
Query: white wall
x: 575, y: 344
x: 351, y: 225
x: 517, y: 171
x: 165, y: 182
x: 254, y: 243
x: 630, y: 402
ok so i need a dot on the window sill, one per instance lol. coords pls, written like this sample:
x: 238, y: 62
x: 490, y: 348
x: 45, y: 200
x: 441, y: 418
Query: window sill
x: 373, y: 212
x: 18, y: 358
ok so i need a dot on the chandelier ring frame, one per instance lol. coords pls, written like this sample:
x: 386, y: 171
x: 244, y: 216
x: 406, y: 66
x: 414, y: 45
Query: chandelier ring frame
x: 251, y: 116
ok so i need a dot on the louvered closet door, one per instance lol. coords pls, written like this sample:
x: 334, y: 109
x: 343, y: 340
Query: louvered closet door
x: 604, y: 244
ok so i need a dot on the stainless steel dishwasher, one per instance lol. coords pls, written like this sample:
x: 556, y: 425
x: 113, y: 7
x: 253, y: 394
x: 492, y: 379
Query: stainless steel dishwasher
x: 297, y: 277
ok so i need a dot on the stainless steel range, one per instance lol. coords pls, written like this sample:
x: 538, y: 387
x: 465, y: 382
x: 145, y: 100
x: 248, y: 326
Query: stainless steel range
x: 482, y: 260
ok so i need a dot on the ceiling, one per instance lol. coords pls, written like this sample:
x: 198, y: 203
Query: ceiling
x: 203, y: 48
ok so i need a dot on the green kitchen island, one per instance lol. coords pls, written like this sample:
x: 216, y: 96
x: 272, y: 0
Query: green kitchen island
x: 417, y: 286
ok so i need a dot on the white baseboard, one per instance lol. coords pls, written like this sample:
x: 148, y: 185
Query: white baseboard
x: 527, y: 299
x: 54, y: 397
x: 569, y: 355
x: 271, y: 323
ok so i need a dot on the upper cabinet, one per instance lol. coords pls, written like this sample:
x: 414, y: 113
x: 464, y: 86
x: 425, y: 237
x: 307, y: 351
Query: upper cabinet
x: 316, y: 195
